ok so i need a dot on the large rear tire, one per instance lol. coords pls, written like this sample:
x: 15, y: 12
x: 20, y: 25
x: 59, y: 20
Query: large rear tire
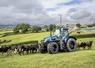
x: 52, y: 48
x: 71, y: 45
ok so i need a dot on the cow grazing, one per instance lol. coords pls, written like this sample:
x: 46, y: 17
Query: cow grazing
x: 83, y: 45
x: 34, y: 48
x: 28, y: 48
x: 14, y: 48
x: 5, y: 49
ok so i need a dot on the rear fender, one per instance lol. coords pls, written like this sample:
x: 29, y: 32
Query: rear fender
x: 71, y: 37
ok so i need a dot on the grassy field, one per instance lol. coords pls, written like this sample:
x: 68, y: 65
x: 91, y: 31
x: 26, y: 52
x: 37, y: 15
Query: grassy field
x: 18, y: 38
x: 78, y: 59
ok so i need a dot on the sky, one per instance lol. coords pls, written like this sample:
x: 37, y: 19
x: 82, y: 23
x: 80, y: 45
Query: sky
x: 47, y: 11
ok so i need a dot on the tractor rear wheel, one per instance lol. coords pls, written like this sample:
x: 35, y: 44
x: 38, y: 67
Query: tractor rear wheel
x: 71, y: 45
x: 52, y: 48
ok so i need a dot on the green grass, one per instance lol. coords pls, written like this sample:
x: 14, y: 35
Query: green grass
x: 25, y: 37
x: 78, y: 59
x: 20, y: 38
x: 3, y: 31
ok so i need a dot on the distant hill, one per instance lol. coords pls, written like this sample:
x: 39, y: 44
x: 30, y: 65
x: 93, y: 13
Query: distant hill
x: 7, y: 26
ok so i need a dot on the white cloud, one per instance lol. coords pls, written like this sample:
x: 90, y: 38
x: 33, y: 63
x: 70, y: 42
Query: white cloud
x: 82, y: 12
x: 19, y: 11
x: 36, y: 11
x: 52, y: 3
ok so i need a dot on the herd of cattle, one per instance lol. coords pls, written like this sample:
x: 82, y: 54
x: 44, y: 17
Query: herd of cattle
x: 22, y: 49
x: 87, y: 44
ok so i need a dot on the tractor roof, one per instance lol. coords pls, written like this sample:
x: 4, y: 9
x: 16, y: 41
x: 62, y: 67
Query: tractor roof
x: 65, y: 28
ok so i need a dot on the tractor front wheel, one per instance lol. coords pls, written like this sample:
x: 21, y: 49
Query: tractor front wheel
x: 52, y: 48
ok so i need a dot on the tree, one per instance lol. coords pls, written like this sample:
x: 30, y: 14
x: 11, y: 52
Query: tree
x: 77, y: 28
x: 22, y: 28
x: 52, y: 28
x: 36, y: 28
x: 91, y: 25
x: 78, y: 25
x: 46, y: 27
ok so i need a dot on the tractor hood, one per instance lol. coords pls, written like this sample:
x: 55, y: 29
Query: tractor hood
x: 50, y: 38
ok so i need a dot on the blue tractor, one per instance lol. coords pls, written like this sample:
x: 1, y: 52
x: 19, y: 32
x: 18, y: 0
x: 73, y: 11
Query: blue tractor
x: 59, y: 41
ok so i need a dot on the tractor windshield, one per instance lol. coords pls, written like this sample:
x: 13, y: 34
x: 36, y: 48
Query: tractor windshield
x: 57, y: 32
x: 62, y: 32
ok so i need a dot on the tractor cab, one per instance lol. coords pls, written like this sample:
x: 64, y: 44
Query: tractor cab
x: 61, y: 32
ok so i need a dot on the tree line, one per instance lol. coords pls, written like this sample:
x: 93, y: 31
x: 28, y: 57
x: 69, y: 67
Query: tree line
x: 24, y: 28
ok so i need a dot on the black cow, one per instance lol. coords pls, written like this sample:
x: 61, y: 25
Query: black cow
x: 34, y: 48
x: 14, y: 48
x: 89, y: 44
x: 83, y: 45
x: 28, y: 48
x: 5, y: 49
x: 19, y: 49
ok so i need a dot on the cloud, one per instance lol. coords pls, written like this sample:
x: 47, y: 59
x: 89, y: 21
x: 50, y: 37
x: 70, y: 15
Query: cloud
x: 46, y: 11
x: 13, y: 12
x: 79, y: 11
x: 52, y: 3
x: 73, y: 2
x: 83, y: 13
